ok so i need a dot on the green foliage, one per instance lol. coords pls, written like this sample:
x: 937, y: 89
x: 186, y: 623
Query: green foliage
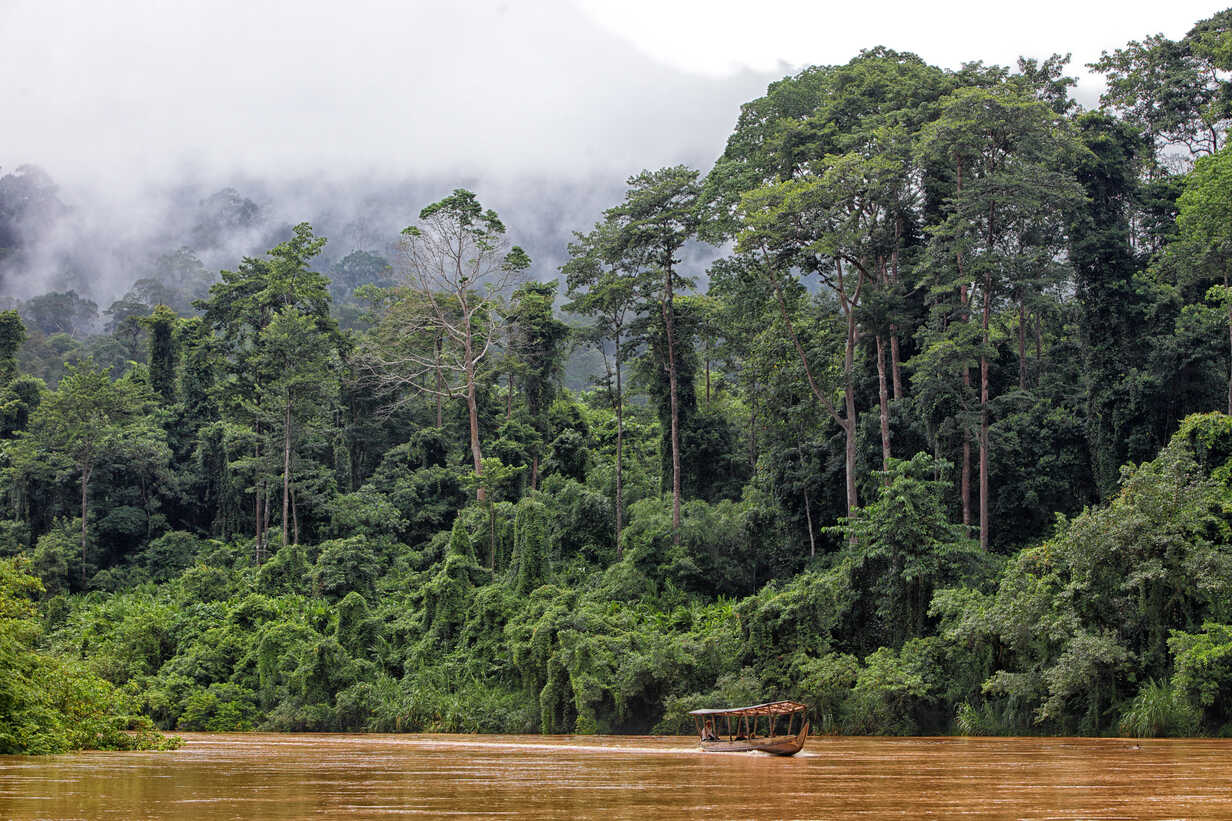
x: 903, y: 547
x: 1203, y: 673
x: 952, y: 297
x: 1159, y: 710
x: 346, y: 565
x: 52, y: 705
x: 530, y: 552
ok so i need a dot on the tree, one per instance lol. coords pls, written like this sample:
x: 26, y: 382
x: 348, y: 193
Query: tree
x: 820, y: 223
x: 657, y: 217
x: 299, y: 386
x: 61, y: 312
x: 163, y: 351
x: 238, y: 310
x: 29, y: 206
x: 1174, y: 90
x: 536, y: 339
x: 904, y: 547
x: 1110, y: 306
x: 357, y: 269
x: 12, y: 335
x: 84, y: 420
x: 1003, y: 229
x: 602, y: 288
x: 1205, y: 228
x: 818, y: 179
x: 456, y: 265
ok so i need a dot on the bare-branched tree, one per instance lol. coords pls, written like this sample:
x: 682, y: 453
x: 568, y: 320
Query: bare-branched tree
x: 456, y: 266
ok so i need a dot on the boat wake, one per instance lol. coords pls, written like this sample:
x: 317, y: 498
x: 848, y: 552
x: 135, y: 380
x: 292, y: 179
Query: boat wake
x: 545, y: 747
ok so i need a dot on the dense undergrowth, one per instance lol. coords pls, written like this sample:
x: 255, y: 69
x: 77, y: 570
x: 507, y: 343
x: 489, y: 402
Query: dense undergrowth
x: 1118, y: 623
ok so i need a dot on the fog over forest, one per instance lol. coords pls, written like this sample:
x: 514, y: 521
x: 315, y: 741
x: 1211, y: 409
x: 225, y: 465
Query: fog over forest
x: 139, y: 116
x: 154, y: 138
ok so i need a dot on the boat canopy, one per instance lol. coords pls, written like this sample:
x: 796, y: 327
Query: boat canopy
x: 773, y: 708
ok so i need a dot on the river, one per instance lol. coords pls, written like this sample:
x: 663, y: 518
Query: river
x: 251, y: 776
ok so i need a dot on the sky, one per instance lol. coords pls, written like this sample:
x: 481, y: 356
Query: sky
x: 354, y: 115
x: 117, y: 91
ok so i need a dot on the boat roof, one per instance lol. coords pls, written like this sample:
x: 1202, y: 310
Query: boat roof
x: 772, y: 708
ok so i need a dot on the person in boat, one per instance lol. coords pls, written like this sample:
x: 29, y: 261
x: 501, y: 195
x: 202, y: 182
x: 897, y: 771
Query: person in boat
x: 708, y: 732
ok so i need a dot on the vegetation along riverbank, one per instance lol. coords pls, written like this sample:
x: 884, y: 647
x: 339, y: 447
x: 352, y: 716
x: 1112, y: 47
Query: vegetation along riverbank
x: 914, y: 408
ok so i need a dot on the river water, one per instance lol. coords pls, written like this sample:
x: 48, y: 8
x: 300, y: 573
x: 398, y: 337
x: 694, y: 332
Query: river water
x: 250, y: 776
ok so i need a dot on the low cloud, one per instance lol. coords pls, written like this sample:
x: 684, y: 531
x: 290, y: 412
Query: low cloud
x: 204, y: 88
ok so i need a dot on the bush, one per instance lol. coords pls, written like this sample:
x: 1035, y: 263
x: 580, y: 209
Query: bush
x: 48, y: 705
x: 169, y: 555
x: 1159, y: 710
x: 220, y: 708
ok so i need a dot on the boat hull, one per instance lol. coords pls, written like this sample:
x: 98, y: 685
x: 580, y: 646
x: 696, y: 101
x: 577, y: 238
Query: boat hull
x: 774, y: 745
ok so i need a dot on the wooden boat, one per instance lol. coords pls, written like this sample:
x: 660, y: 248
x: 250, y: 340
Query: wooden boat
x: 756, y: 728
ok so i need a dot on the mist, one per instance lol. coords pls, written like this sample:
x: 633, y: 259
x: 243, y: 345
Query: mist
x: 352, y: 120
x: 142, y: 112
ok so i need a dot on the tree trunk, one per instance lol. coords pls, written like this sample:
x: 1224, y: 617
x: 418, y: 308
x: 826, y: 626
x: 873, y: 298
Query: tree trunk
x: 895, y: 359
x: 883, y: 399
x: 808, y: 518
x: 707, y: 380
x: 257, y: 499
x: 753, y: 430
x: 1228, y: 299
x: 1022, y: 344
x: 965, y: 480
x: 808, y: 509
x: 896, y: 364
x: 294, y: 519
x: 849, y: 460
x: 286, y: 471
x: 849, y: 392
x: 668, y: 311
x: 472, y: 408
x: 984, y: 491
x: 847, y: 424
x: 491, y: 536
x: 963, y: 299
x: 620, y: 443
x: 440, y: 385
x: 85, y: 484
x: 266, y: 508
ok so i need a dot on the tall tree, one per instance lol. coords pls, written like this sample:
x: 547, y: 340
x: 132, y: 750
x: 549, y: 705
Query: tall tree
x: 1205, y: 229
x: 85, y: 419
x: 163, y: 354
x: 537, y: 340
x: 238, y: 310
x: 1176, y: 91
x: 818, y: 179
x: 299, y: 386
x: 456, y: 266
x: 802, y: 225
x: 602, y: 288
x: 657, y: 217
x: 1110, y: 307
x: 1004, y: 224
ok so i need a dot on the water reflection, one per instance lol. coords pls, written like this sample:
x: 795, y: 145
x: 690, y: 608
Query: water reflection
x: 305, y: 776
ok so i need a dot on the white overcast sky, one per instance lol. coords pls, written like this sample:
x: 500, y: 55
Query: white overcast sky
x: 111, y: 90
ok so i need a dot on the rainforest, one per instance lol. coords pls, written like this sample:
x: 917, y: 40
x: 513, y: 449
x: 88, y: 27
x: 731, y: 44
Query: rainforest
x: 915, y: 407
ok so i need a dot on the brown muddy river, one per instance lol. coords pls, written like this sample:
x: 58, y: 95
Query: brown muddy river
x: 254, y: 776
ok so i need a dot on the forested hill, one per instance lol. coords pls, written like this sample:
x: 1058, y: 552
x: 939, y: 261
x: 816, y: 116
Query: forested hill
x: 940, y: 442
